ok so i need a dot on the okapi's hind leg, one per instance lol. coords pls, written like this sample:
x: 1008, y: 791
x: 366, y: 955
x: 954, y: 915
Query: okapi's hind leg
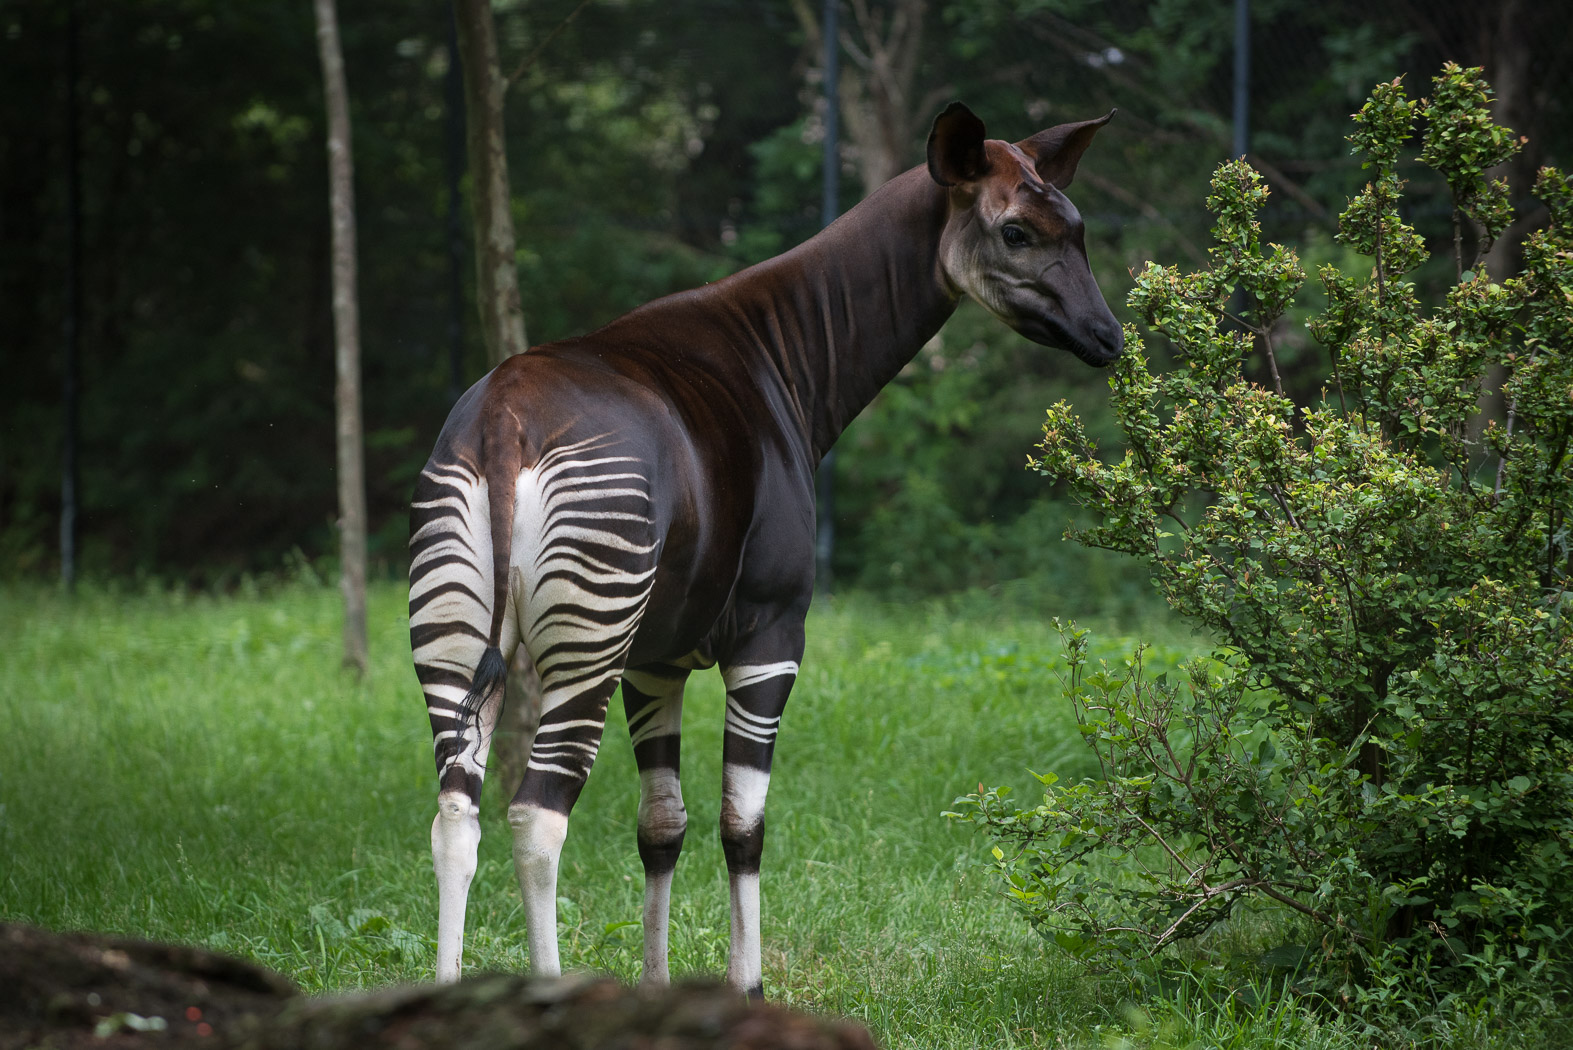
x: 587, y: 535
x: 456, y: 837
x: 653, y: 702
x: 450, y: 612
x: 565, y: 747
x: 462, y: 740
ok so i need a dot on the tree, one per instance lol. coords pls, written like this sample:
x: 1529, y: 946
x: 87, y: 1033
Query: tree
x: 70, y: 475
x: 501, y: 310
x: 497, y: 275
x: 882, y: 110
x: 346, y: 333
x: 1383, y: 742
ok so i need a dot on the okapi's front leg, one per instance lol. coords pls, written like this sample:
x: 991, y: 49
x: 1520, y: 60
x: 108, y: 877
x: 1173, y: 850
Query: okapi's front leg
x: 756, y: 694
x: 653, y: 701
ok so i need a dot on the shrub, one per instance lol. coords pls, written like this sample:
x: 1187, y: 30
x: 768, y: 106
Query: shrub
x: 1380, y: 744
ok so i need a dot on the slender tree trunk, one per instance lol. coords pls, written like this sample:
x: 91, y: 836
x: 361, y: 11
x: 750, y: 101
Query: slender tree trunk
x: 72, y: 327
x: 502, y: 317
x: 829, y: 209
x: 497, y: 278
x: 453, y: 158
x: 1507, y: 66
x: 880, y: 109
x: 1506, y: 56
x: 346, y: 332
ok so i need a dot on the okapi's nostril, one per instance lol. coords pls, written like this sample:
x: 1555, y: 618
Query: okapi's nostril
x: 1114, y: 339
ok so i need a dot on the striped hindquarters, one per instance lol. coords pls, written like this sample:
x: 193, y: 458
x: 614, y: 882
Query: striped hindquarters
x: 585, y: 546
x: 451, y: 610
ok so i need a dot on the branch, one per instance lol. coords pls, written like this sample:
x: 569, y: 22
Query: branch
x: 1276, y: 176
x: 1306, y: 909
x: 530, y: 59
x: 1512, y: 412
x: 1207, y: 895
x: 1272, y: 359
x: 809, y: 23
x: 1283, y: 503
x: 1129, y: 199
x: 1190, y: 873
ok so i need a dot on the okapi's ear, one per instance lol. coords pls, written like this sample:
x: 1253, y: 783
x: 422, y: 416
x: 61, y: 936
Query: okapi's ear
x: 1057, y: 151
x: 956, y: 147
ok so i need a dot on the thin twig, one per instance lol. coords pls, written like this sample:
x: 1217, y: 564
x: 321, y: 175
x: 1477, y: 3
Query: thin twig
x: 1458, y: 248
x: 1149, y: 212
x: 1272, y: 359
x: 1276, y: 177
x: 1190, y: 873
x: 530, y: 59
x: 1306, y: 909
x: 1208, y: 893
x: 1338, y: 380
x: 1512, y: 411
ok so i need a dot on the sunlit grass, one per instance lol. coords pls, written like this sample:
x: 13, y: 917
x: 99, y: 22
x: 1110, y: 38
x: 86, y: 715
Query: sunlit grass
x: 200, y: 769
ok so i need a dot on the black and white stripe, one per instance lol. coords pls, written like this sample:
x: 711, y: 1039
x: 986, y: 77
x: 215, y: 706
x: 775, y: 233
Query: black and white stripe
x: 450, y: 609
x: 583, y: 561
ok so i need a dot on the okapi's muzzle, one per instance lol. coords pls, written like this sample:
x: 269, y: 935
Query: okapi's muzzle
x: 1097, y: 340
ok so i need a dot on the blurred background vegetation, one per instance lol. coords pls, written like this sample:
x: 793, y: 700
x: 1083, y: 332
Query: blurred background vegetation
x: 653, y: 146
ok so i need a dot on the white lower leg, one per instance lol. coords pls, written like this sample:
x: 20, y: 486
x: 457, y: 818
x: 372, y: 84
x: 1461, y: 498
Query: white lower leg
x: 455, y: 839
x: 662, y: 820
x: 742, y: 815
x: 538, y: 836
x: 657, y: 913
x: 744, y: 970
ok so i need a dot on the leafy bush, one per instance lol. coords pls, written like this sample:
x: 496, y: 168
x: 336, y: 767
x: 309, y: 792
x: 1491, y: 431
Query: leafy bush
x: 1380, y: 744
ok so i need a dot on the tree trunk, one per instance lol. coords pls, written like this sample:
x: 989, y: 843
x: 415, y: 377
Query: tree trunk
x: 346, y: 333
x: 1507, y: 66
x: 1506, y: 55
x: 72, y: 327
x: 881, y: 116
x: 497, y: 278
x: 502, y: 320
x: 453, y: 163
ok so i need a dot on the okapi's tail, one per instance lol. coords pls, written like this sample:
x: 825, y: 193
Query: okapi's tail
x: 501, y: 453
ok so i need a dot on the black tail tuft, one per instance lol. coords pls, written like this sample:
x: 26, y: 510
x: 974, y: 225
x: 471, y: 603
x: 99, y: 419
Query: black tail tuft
x: 491, y: 670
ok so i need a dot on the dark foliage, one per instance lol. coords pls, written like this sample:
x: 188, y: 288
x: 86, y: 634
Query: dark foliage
x: 654, y: 147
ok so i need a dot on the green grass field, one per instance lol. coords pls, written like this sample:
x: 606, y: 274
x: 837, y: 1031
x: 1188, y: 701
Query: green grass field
x: 199, y: 769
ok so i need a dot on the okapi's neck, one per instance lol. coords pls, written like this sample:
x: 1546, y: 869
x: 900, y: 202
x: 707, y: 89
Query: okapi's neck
x: 839, y: 315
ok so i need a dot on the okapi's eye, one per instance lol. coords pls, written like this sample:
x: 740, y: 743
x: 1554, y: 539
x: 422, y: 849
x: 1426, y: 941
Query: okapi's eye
x: 1014, y: 235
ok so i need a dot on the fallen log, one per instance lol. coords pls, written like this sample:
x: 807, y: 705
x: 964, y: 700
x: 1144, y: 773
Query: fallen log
x: 80, y: 990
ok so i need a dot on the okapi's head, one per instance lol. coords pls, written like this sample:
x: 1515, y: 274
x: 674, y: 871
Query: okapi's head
x: 1013, y: 240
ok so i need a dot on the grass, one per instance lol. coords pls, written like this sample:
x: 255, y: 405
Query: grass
x: 199, y: 769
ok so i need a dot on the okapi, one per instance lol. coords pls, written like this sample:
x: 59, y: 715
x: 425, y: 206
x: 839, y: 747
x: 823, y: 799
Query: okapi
x: 638, y: 503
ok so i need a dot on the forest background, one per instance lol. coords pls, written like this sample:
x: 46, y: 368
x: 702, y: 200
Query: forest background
x: 653, y: 147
